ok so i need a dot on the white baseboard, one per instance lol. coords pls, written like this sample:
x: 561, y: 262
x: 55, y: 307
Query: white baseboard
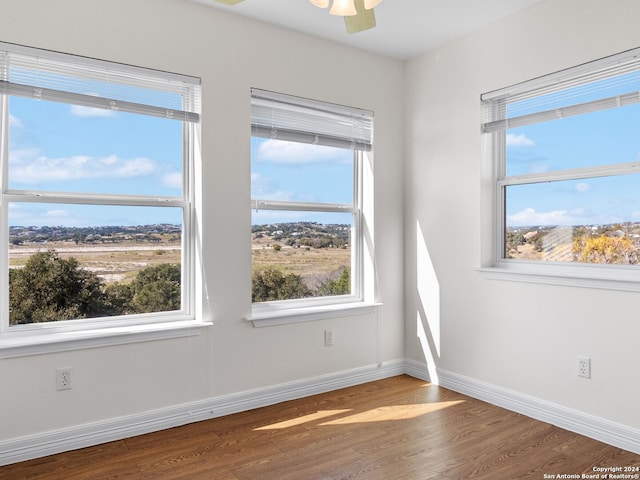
x: 48, y: 443
x: 588, y: 425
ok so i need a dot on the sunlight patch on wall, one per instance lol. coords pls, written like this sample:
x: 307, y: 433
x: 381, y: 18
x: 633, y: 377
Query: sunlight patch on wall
x: 426, y: 348
x: 428, y: 289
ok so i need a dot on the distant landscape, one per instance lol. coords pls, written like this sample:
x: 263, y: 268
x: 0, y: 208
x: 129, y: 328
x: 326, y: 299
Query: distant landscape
x: 617, y: 244
x: 121, y: 270
x: 314, y: 251
x: 115, y: 253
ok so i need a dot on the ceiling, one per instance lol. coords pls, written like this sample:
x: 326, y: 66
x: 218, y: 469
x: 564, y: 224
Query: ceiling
x: 406, y: 28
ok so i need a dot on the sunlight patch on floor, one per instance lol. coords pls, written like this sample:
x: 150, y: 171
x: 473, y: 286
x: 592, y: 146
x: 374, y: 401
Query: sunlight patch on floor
x: 304, y: 419
x: 393, y: 413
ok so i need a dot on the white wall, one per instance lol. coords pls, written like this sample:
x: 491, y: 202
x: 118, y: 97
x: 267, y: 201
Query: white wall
x: 518, y: 336
x: 231, y: 55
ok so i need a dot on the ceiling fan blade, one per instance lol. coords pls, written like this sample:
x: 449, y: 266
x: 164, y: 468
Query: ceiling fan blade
x: 229, y: 2
x: 363, y: 20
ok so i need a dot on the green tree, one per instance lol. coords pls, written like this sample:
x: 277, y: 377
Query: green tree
x: 118, y: 299
x: 270, y: 283
x: 341, y: 286
x: 51, y: 288
x: 155, y: 289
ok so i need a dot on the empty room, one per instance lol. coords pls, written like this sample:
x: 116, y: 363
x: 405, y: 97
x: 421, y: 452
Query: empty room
x: 313, y: 239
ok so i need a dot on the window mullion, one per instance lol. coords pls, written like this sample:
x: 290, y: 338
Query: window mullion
x: 93, y: 199
x: 4, y: 227
x: 302, y: 206
x: 572, y: 174
x: 357, y: 267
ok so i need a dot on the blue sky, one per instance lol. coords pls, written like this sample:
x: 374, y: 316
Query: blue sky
x: 600, y: 138
x: 298, y: 172
x: 63, y: 148
x: 56, y: 147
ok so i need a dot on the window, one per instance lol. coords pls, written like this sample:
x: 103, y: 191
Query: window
x: 563, y: 186
x: 96, y: 216
x: 307, y: 162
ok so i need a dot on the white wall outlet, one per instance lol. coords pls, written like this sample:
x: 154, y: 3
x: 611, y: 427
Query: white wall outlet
x: 328, y: 338
x: 584, y: 367
x: 64, y: 378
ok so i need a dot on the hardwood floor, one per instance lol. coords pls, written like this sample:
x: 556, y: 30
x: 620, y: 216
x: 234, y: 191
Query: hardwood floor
x: 394, y: 429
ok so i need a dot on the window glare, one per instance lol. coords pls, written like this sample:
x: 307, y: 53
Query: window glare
x: 557, y: 221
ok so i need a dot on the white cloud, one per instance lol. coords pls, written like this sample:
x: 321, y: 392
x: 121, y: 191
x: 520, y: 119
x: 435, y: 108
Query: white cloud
x: 58, y: 213
x: 28, y: 166
x: 582, y: 187
x: 14, y: 121
x: 529, y: 217
x: 172, y: 180
x: 34, y: 214
x: 299, y: 153
x: 519, y: 140
x: 91, y: 112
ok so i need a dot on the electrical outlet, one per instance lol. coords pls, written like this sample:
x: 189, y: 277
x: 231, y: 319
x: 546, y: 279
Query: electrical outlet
x: 64, y: 378
x: 584, y: 367
x: 328, y: 338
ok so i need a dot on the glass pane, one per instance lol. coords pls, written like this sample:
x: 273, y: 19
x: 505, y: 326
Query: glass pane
x: 599, y: 138
x: 57, y: 147
x: 595, y: 220
x: 298, y: 172
x: 86, y: 261
x: 300, y: 254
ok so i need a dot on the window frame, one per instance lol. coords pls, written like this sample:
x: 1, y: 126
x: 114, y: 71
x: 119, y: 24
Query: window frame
x: 360, y: 300
x: 495, y: 181
x: 34, y: 338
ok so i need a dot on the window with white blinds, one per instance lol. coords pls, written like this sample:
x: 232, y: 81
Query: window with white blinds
x: 306, y: 179
x: 97, y: 186
x: 52, y: 76
x: 564, y: 163
x: 288, y: 118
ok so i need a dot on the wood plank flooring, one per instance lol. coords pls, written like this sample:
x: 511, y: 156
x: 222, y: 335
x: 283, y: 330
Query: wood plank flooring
x: 394, y: 429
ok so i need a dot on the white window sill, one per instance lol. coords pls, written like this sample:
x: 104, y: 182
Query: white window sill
x: 24, y: 345
x: 265, y: 317
x: 609, y: 277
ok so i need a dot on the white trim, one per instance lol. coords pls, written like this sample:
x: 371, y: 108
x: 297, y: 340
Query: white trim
x: 25, y: 345
x: 606, y: 277
x: 418, y: 370
x: 57, y: 441
x: 629, y: 168
x: 600, y: 429
x: 265, y: 318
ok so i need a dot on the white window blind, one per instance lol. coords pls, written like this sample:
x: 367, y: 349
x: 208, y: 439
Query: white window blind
x: 608, y: 83
x: 295, y: 119
x: 57, y: 77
